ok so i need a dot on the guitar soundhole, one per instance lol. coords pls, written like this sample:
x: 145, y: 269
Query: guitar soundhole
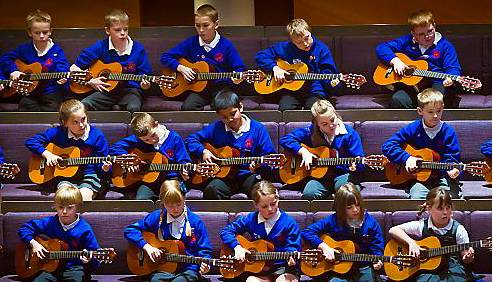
x: 105, y: 73
x: 290, y: 76
x: 409, y: 71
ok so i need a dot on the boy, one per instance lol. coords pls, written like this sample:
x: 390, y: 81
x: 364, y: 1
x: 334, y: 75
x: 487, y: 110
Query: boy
x: 120, y: 48
x: 49, y: 93
x: 424, y: 43
x: 236, y: 130
x: 302, y: 47
x: 150, y: 136
x: 67, y: 226
x: 209, y: 46
x: 432, y: 133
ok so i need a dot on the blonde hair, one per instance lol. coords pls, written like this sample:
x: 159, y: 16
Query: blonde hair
x: 321, y: 108
x: 115, y: 16
x: 142, y: 124
x: 263, y: 188
x: 429, y: 95
x: 347, y: 195
x: 67, y: 194
x: 170, y: 192
x: 296, y: 27
x: 37, y: 16
x: 420, y: 18
x: 207, y: 10
x: 69, y: 107
x: 436, y: 195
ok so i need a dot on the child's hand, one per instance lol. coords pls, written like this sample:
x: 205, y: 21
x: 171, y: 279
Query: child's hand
x: 414, y: 249
x: 85, y: 259
x: 453, y: 173
x: 279, y: 74
x: 352, y: 167
x: 51, y: 159
x: 253, y: 166
x: 187, y: 72
x: 447, y: 82
x: 62, y: 81
x: 38, y: 249
x: 208, y: 156
x: 378, y: 265
x: 106, y: 166
x: 153, y: 253
x: 291, y: 261
x: 307, y: 158
x: 240, y: 253
x: 399, y: 66
x: 236, y: 81
x: 99, y: 84
x: 184, y: 174
x: 411, y: 163
x: 468, y: 255
x: 329, y: 253
x: 2, y: 87
x: 15, y: 75
x: 145, y: 84
x: 204, y: 268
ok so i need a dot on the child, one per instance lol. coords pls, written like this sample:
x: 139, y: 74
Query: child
x: 349, y: 222
x: 49, y: 93
x: 74, y: 130
x: 327, y: 129
x: 424, y: 43
x: 432, y: 133
x: 209, y: 46
x: 439, y: 224
x: 268, y: 223
x: 67, y: 226
x: 175, y: 221
x: 235, y: 130
x: 120, y: 48
x: 150, y: 136
x: 302, y: 47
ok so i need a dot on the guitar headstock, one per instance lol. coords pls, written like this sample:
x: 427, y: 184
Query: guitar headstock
x: 128, y: 160
x: 104, y: 255
x: 376, y: 161
x: 479, y: 168
x: 486, y: 243
x: 253, y: 76
x: 469, y: 83
x: 402, y: 260
x: 21, y: 86
x: 226, y: 262
x: 353, y: 80
x: 274, y: 160
x: 9, y: 170
x: 208, y: 169
x: 165, y: 81
x: 81, y: 77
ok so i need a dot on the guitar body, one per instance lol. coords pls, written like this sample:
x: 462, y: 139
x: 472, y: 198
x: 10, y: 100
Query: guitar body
x: 292, y: 173
x: 123, y: 178
x: 180, y: 84
x: 323, y: 266
x: 249, y: 265
x: 383, y: 76
x: 98, y: 69
x: 140, y: 264
x: 224, y: 171
x: 392, y: 248
x: 487, y: 172
x: 27, y: 264
x: 25, y: 68
x: 397, y: 173
x: 269, y: 85
x: 40, y: 176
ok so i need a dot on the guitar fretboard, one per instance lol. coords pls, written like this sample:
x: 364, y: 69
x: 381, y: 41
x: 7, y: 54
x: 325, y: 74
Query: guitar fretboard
x: 218, y: 75
x: 338, y: 161
x: 66, y: 254
x: 264, y: 256
x: 85, y: 160
x: 438, y: 165
x: 362, y: 257
x: 6, y: 82
x: 188, y: 259
x: 240, y: 160
x: 314, y: 76
x: 169, y: 167
x: 432, y: 74
x: 434, y: 252
x: 45, y: 75
x: 132, y: 77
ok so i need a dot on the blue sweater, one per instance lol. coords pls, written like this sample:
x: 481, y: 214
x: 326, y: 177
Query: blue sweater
x: 196, y: 245
x: 445, y: 143
x: 486, y: 149
x: 2, y: 158
x: 254, y: 143
x: 137, y: 62
x: 95, y: 146
x: 318, y: 58
x: 369, y: 237
x: 78, y: 238
x: 53, y: 61
x: 347, y: 145
x: 222, y: 58
x: 173, y: 148
x: 285, y: 234
x: 441, y: 57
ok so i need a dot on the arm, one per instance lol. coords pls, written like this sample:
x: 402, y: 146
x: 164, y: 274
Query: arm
x: 133, y: 232
x: 451, y: 63
x: 266, y: 59
x: 392, y: 148
x: 122, y: 146
x: 194, y: 142
x: 88, y: 56
x: 36, y: 144
x: 311, y: 234
x: 401, y: 233
x: 486, y: 149
x: 354, y: 149
x: 293, y: 240
x: 7, y: 60
x: 239, y: 226
x: 451, y: 148
x: 32, y: 228
x: 169, y: 59
x: 386, y: 51
x: 293, y: 140
x: 376, y: 242
x: 2, y: 158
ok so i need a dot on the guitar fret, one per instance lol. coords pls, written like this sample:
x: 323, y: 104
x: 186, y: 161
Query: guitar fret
x: 427, y: 73
x: 239, y: 161
x: 314, y: 76
x: 86, y: 160
x: 436, y: 165
x: 218, y: 75
x: 272, y: 255
x: 187, y: 259
x: 452, y: 249
x: 338, y: 161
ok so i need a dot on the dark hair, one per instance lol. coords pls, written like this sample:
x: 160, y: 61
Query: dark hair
x: 225, y: 99
x: 436, y: 195
x: 347, y: 195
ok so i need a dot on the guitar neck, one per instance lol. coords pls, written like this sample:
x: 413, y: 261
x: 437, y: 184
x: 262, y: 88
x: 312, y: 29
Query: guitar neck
x: 438, y: 165
x: 314, y: 76
x: 170, y: 167
x: 432, y: 74
x: 45, y: 76
x: 6, y: 82
x: 132, y: 77
x: 85, y: 160
x: 266, y: 256
x: 239, y: 160
x: 338, y: 161
x: 55, y: 255
x: 218, y: 75
x: 188, y: 259
x: 362, y: 257
x: 434, y: 252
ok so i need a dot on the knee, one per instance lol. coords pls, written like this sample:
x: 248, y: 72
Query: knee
x: 210, y: 192
x: 191, y: 107
x: 87, y: 194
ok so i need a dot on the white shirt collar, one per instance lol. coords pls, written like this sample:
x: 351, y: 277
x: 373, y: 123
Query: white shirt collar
x: 127, y: 50
x: 432, y: 131
x: 340, y: 130
x: 69, y: 226
x: 180, y: 219
x: 438, y: 36
x: 163, y: 137
x: 210, y: 46
x: 245, y: 127
x: 42, y: 53
x: 269, y: 223
x: 83, y: 137
x: 441, y: 230
x: 177, y: 224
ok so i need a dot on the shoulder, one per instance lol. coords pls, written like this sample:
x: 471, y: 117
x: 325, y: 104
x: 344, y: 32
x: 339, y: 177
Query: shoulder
x: 96, y: 131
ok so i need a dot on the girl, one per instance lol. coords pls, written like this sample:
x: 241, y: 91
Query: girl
x: 327, y: 129
x: 349, y: 222
x: 173, y: 222
x: 439, y: 224
x: 74, y: 130
x: 268, y: 223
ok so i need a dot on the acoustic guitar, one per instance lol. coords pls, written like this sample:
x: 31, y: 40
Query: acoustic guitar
x: 385, y: 75
x: 429, y: 259
x: 345, y: 258
x: 291, y: 172
x: 34, y: 73
x: 261, y: 252
x: 397, y: 173
x: 228, y: 157
x: 203, y: 73
x: 298, y: 74
x: 113, y: 74
x: 15, y: 86
x: 139, y: 262
x: 8, y: 170
x: 40, y: 172
x: 151, y: 165
x: 27, y: 263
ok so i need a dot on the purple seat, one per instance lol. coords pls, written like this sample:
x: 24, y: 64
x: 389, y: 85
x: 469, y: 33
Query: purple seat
x: 381, y: 190
x: 8, y: 107
x: 184, y: 129
x: 471, y: 134
x: 379, y: 216
x: 32, y: 192
x: 159, y: 103
x: 289, y: 194
x: 472, y: 101
x: 376, y: 101
x: 480, y: 230
x: 268, y: 106
x: 194, y: 194
x: 302, y: 219
x: 476, y: 190
x: 113, y: 131
x: 214, y: 222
